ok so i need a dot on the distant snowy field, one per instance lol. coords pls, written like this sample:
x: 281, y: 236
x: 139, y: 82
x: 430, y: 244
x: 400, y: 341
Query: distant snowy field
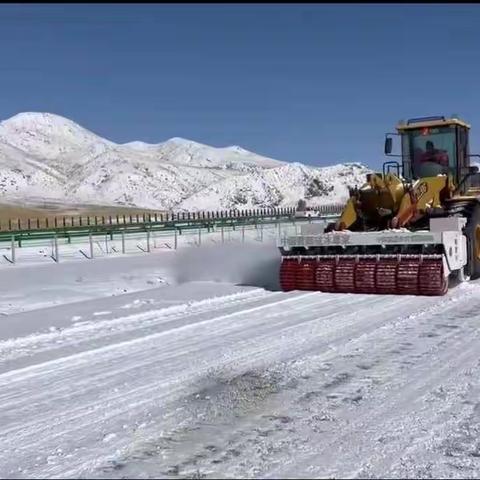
x: 192, y: 364
x: 47, y: 157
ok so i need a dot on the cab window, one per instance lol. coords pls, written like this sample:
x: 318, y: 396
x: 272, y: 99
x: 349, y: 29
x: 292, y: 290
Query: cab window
x: 431, y: 151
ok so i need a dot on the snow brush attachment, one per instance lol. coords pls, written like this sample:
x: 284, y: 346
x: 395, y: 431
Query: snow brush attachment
x: 381, y: 274
x: 399, y: 262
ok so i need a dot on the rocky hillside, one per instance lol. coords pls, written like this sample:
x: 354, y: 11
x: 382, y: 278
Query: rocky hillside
x: 45, y: 156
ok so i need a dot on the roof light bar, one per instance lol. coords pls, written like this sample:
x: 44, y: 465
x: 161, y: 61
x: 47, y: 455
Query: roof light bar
x: 425, y: 119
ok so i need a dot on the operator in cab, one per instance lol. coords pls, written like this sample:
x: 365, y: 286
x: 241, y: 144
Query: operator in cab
x: 423, y: 161
x: 432, y: 154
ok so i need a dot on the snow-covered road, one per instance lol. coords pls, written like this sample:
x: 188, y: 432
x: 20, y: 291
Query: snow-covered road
x: 196, y: 378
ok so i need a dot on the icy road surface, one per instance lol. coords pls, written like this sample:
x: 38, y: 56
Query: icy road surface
x: 196, y: 378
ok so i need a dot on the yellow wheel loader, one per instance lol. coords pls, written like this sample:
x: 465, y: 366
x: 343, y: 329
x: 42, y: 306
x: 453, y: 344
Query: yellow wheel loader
x: 407, y: 230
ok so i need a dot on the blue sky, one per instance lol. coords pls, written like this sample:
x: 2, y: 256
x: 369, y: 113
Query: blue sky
x: 317, y: 84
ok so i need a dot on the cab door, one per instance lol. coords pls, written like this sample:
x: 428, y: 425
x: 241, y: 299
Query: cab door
x: 472, y: 185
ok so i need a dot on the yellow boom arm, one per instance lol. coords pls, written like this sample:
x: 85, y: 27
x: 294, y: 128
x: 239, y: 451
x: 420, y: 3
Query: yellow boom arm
x: 425, y: 193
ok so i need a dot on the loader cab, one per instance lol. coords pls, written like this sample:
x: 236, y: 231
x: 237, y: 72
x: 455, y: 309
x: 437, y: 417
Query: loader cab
x: 432, y: 146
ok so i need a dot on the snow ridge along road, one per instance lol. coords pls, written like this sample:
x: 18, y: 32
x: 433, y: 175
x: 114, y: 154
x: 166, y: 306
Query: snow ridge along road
x: 212, y: 379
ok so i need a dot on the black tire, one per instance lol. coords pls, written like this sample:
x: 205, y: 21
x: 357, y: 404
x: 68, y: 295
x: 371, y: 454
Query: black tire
x: 472, y: 232
x: 330, y: 227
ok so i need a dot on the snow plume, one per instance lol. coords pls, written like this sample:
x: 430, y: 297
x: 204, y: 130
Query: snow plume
x: 242, y: 264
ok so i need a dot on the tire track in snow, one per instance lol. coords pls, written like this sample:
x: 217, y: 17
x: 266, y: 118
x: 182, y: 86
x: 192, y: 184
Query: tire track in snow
x: 352, y: 448
x: 118, y: 352
x: 113, y: 329
x: 77, y: 400
x: 376, y: 341
x: 396, y: 412
x: 42, y: 371
x: 69, y: 415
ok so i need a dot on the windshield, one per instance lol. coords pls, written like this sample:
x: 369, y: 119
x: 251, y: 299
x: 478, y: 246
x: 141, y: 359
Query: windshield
x: 429, y: 152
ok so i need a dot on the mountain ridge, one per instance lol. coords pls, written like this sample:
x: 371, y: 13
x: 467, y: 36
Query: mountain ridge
x: 47, y: 155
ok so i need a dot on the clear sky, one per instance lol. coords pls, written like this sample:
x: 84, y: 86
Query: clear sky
x: 317, y: 84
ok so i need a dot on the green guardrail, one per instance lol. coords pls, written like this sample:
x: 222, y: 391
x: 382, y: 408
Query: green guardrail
x: 68, y: 233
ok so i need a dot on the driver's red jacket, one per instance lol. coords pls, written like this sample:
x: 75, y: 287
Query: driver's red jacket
x: 437, y: 156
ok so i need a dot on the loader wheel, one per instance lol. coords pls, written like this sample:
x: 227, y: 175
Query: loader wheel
x: 330, y: 227
x: 472, y: 232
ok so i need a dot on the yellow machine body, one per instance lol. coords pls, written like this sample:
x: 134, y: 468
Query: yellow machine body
x: 407, y: 229
x: 389, y: 200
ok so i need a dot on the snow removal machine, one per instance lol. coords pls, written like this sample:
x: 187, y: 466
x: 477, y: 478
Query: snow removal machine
x: 407, y: 230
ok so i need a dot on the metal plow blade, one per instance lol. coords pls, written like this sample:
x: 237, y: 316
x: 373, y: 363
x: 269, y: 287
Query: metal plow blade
x: 380, y: 274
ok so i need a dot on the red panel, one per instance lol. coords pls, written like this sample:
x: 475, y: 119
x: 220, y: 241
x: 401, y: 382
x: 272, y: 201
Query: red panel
x: 305, y: 274
x: 288, y: 270
x: 431, y: 278
x: 345, y: 275
x: 407, y: 276
x: 386, y: 276
x: 325, y: 275
x: 365, y: 276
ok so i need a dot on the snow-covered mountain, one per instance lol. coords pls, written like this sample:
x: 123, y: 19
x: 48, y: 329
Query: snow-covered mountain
x: 43, y: 155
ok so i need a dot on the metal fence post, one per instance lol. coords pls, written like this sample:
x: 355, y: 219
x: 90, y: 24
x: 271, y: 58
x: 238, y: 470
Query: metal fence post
x: 223, y: 235
x: 13, y: 248
x: 243, y: 233
x: 199, y: 236
x: 55, y: 245
x: 91, y: 245
x: 148, y: 241
x: 123, y: 241
x: 175, y: 240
